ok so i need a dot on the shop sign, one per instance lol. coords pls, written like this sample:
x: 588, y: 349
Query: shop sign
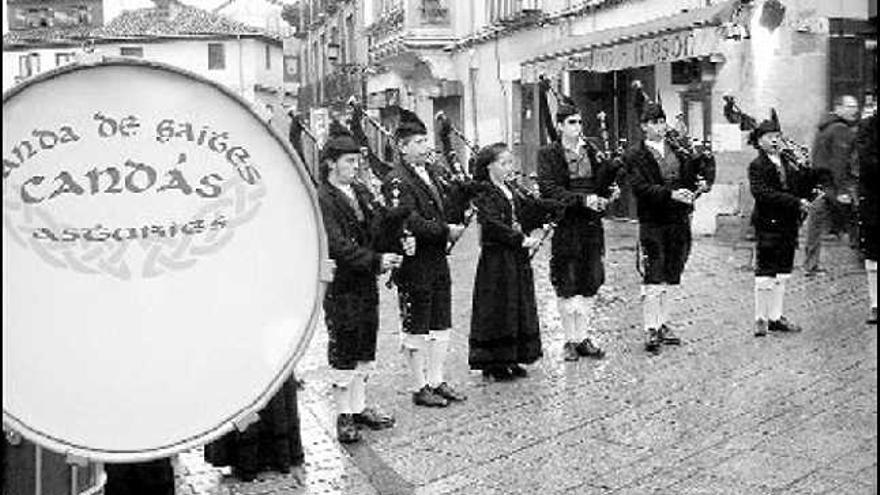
x: 671, y: 47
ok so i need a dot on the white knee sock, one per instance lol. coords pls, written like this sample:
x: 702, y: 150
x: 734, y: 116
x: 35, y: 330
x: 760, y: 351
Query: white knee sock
x: 871, y: 269
x: 358, y: 395
x: 584, y: 317
x: 776, y: 305
x: 415, y: 358
x: 567, y: 313
x: 665, y: 296
x: 438, y: 345
x: 763, y: 296
x: 651, y: 306
x: 342, y: 398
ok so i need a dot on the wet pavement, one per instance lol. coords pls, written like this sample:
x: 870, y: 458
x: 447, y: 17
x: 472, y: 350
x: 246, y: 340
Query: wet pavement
x: 725, y: 413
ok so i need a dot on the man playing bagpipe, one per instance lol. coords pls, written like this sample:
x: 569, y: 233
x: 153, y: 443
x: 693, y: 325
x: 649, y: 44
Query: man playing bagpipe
x: 572, y: 173
x: 783, y: 192
x: 666, y: 178
x: 363, y: 240
x: 423, y: 279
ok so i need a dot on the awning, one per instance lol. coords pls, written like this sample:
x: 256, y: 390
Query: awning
x: 685, y: 35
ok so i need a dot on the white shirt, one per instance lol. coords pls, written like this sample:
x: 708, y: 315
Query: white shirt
x: 658, y: 146
x: 423, y: 174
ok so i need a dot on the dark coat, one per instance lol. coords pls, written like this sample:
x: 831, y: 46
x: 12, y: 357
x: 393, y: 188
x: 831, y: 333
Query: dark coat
x: 352, y: 299
x: 274, y: 441
x: 869, y: 181
x: 555, y: 185
x: 833, y: 154
x: 654, y: 201
x: 425, y: 217
x: 504, y: 317
x: 777, y: 209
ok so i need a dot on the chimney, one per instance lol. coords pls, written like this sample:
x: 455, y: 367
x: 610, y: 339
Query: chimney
x: 168, y: 8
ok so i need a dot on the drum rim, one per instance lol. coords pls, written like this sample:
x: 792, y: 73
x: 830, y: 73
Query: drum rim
x: 243, y: 415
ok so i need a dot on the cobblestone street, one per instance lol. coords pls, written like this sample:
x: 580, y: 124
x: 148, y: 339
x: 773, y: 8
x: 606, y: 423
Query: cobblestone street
x: 725, y: 413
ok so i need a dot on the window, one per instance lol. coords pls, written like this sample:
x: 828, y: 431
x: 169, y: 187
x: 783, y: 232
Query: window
x: 64, y: 58
x: 216, y: 56
x: 268, y: 57
x: 28, y: 65
x: 132, y: 51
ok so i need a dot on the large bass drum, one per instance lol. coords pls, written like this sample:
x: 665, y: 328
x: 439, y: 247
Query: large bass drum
x: 163, y: 260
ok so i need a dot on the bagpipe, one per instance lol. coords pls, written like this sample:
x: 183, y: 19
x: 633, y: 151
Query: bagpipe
x: 796, y: 153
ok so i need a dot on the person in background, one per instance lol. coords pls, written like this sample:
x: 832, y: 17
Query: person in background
x: 832, y: 156
x: 869, y: 214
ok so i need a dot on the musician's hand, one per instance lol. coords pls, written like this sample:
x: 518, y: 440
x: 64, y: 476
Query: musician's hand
x: 531, y: 242
x: 703, y: 185
x: 615, y: 192
x: 408, y: 244
x: 844, y: 199
x: 806, y: 206
x: 390, y: 261
x: 455, y: 231
x: 683, y: 196
x: 591, y: 201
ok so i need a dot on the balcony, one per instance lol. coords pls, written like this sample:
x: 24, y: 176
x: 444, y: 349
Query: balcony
x: 411, y: 25
x: 507, y: 12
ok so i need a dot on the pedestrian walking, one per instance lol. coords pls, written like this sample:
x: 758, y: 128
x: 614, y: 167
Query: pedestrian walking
x: 504, y: 317
x: 869, y: 223
x: 571, y: 172
x: 666, y: 179
x: 832, y: 155
x: 351, y: 302
x: 783, y: 192
x: 423, y: 279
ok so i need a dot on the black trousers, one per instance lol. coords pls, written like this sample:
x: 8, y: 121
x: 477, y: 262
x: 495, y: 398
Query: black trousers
x: 665, y: 250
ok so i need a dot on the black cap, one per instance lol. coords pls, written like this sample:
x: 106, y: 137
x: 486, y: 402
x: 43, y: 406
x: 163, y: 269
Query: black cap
x: 653, y: 111
x: 769, y: 125
x: 409, y: 125
x: 565, y: 110
x: 339, y: 142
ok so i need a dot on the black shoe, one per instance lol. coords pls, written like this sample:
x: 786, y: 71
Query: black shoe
x: 815, y: 271
x: 587, y: 349
x: 652, y: 342
x: 445, y: 391
x: 498, y: 373
x: 373, y: 419
x: 244, y: 475
x: 426, y: 397
x: 668, y: 337
x: 760, y: 327
x: 346, y: 429
x: 518, y: 371
x: 872, y: 320
x: 569, y: 351
x: 783, y: 325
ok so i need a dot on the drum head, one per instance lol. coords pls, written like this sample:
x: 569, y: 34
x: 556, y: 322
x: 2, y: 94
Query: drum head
x: 162, y: 253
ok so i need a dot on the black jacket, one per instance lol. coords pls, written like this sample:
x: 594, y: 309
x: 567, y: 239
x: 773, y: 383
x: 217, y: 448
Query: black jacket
x: 869, y: 181
x: 654, y: 201
x: 778, y: 209
x: 832, y: 153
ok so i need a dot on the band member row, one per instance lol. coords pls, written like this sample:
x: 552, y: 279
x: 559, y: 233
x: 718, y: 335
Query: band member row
x: 665, y: 180
x: 361, y: 252
x: 423, y: 279
x: 571, y: 173
x: 783, y: 193
x: 504, y: 317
